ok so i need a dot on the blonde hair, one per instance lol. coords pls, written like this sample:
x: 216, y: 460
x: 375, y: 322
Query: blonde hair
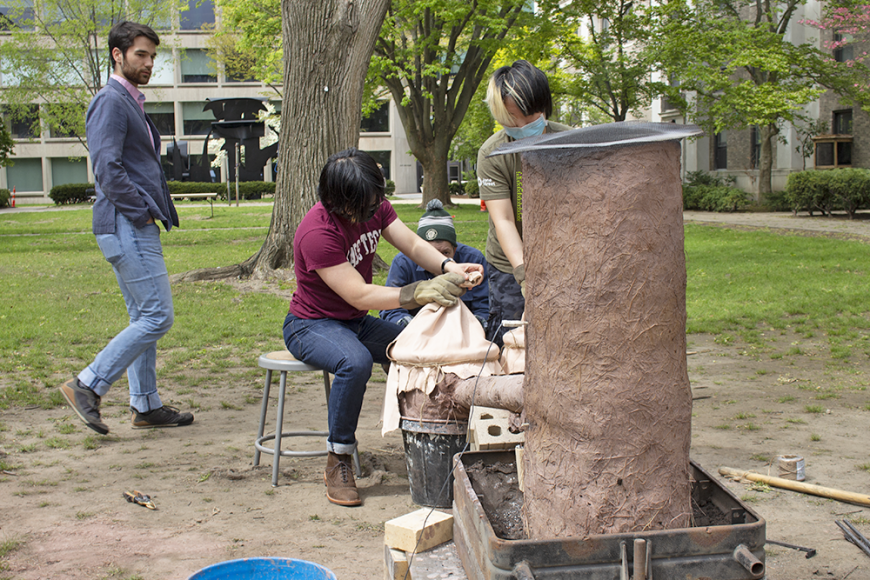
x: 526, y: 85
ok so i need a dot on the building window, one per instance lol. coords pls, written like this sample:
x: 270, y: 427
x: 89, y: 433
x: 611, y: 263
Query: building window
x: 24, y: 124
x: 843, y: 122
x: 163, y: 115
x: 198, y: 14
x: 843, y: 53
x: 60, y: 130
x: 195, y: 120
x: 720, y: 151
x: 383, y: 160
x: 25, y: 175
x: 755, y: 147
x: 18, y: 16
x: 833, y: 151
x: 198, y: 67
x: 378, y: 120
x: 164, y: 69
x: 64, y: 170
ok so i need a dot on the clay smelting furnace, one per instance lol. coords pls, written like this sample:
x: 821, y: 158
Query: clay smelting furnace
x: 608, y: 483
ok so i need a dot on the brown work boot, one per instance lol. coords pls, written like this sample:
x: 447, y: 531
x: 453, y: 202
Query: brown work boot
x: 340, y: 485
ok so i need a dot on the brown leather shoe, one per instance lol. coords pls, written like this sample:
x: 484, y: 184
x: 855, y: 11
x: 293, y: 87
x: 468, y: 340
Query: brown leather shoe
x: 340, y: 485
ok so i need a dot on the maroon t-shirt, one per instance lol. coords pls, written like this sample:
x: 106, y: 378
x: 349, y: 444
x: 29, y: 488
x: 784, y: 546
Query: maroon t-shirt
x: 324, y: 240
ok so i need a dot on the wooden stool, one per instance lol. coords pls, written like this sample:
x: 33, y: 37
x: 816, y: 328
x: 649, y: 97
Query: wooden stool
x: 284, y: 362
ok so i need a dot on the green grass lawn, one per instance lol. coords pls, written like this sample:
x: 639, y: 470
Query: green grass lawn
x: 60, y: 303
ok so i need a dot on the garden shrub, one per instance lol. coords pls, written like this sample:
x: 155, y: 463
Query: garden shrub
x: 456, y: 188
x: 850, y: 189
x: 390, y: 188
x: 847, y: 189
x: 707, y: 192
x: 471, y: 186
x: 72, y: 193
x: 4, y: 198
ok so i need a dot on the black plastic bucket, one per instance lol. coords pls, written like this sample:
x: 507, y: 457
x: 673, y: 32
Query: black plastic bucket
x: 429, y: 451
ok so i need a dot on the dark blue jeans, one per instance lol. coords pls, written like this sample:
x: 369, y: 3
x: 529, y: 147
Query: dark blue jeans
x: 347, y: 349
x: 506, y: 302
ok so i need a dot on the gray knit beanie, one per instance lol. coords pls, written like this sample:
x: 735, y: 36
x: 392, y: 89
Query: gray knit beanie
x: 436, y: 224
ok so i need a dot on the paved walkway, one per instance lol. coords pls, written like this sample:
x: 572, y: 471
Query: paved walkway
x: 840, y: 225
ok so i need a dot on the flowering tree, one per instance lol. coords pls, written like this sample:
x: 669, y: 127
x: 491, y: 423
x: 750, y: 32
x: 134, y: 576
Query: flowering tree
x: 736, y: 58
x: 851, y: 28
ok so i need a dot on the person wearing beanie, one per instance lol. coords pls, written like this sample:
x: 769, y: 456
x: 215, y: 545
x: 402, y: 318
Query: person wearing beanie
x: 436, y: 227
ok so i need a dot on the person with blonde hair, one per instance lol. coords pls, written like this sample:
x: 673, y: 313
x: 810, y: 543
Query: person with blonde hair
x: 519, y: 98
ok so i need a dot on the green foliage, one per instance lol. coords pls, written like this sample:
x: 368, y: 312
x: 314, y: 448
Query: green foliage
x: 248, y: 41
x: 432, y: 56
x: 612, y: 63
x: 845, y: 189
x: 64, y: 67
x: 456, y: 188
x: 390, y: 189
x: 709, y: 192
x: 247, y: 189
x: 471, y: 186
x: 4, y: 198
x: 7, y: 145
x: 72, y: 193
x: 743, y: 69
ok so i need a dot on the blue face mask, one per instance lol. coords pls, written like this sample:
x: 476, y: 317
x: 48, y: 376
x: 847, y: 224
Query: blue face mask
x: 533, y: 129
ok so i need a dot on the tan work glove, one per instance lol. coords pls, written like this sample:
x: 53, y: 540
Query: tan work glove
x: 443, y: 289
x: 520, y: 276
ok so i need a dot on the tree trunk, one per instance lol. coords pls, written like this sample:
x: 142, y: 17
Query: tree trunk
x: 765, y: 162
x: 607, y: 396
x: 435, y: 172
x: 327, y: 48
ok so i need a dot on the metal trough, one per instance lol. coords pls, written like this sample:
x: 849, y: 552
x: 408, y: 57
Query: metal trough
x: 720, y: 552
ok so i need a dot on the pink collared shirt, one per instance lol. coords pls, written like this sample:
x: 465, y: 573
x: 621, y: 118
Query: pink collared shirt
x: 137, y: 95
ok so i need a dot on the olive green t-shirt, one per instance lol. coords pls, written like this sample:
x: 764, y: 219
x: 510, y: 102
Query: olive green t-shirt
x: 501, y: 177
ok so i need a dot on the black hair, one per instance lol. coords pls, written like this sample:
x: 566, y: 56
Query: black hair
x: 123, y: 34
x: 526, y: 85
x: 351, y: 184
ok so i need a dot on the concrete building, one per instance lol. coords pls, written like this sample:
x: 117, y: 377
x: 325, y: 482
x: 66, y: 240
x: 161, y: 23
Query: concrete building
x: 736, y: 153
x: 184, y: 77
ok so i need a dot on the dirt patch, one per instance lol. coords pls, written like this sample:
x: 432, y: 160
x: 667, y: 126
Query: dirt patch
x: 62, y: 498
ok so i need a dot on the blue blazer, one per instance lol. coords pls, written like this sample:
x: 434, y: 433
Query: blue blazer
x: 129, y: 176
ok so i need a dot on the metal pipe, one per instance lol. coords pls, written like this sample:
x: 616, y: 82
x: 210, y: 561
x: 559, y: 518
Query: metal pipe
x: 852, y: 535
x: 523, y: 571
x: 639, y: 559
x: 748, y: 560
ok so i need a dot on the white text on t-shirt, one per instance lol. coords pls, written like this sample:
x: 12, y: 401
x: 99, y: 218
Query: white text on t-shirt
x: 368, y: 243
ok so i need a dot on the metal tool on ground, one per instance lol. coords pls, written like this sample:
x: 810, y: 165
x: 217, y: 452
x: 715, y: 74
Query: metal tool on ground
x: 853, y: 535
x: 810, y: 551
x: 139, y: 498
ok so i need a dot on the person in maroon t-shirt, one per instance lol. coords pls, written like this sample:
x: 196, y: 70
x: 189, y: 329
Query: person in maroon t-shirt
x: 328, y: 324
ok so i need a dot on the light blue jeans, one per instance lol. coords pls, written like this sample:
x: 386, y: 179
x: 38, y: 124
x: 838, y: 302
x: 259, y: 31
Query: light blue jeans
x: 136, y: 255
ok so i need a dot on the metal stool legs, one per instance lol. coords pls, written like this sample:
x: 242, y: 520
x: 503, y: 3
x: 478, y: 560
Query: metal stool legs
x: 277, y: 452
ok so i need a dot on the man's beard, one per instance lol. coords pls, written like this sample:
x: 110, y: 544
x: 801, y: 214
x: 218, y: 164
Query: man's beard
x: 137, y: 77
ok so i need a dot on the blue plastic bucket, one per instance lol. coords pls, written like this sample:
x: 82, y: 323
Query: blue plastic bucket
x: 264, y: 569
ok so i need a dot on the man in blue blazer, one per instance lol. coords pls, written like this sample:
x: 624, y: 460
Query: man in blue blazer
x: 132, y: 197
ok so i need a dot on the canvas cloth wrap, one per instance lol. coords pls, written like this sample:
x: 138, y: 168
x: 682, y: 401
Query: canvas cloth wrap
x: 513, y: 354
x: 437, y: 341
